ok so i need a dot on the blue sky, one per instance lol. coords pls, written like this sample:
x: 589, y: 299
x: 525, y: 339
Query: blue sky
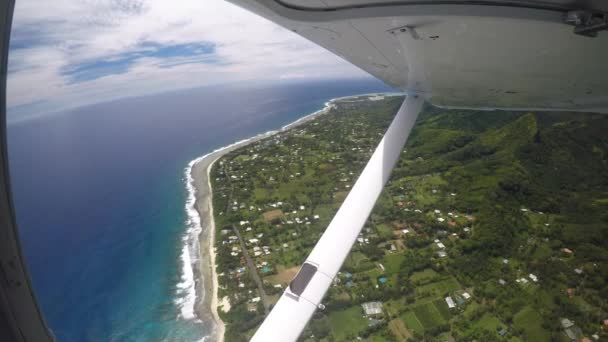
x: 69, y: 53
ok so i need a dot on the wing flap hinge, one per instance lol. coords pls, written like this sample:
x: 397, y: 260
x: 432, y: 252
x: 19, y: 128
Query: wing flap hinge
x: 587, y: 23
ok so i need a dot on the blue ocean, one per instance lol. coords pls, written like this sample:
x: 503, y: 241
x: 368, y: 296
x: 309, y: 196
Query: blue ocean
x: 99, y: 194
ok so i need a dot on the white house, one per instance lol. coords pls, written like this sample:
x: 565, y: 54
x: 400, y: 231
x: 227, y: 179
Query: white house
x: 450, y: 302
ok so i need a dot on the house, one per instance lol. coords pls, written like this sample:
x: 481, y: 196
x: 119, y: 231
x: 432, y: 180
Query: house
x: 573, y: 333
x: 442, y: 254
x: 255, y: 299
x: 440, y: 245
x: 567, y: 250
x: 533, y: 277
x: 405, y: 231
x: 450, y: 302
x: 502, y: 282
x: 566, y: 323
x: 578, y: 271
x: 372, y: 308
x: 466, y: 295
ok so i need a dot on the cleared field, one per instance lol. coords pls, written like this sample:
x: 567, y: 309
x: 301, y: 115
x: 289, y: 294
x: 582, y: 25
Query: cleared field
x: 439, y: 288
x: 273, y: 214
x: 424, y: 276
x: 489, y: 322
x: 530, y: 321
x: 355, y: 259
x: 347, y: 322
x: 399, y: 330
x: 284, y: 275
x: 443, y: 308
x: 412, y: 322
x: 392, y: 263
x: 428, y: 315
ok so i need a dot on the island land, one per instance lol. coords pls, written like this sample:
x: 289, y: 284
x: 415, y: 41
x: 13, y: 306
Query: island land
x: 206, y: 284
x: 493, y: 226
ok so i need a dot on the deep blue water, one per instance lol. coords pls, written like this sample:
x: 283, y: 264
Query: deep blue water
x: 99, y: 195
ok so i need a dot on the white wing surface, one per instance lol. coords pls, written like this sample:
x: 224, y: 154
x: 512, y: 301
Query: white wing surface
x: 479, y: 54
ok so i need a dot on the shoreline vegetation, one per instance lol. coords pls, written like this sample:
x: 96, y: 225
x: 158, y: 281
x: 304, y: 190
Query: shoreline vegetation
x: 492, y: 226
x: 202, y: 238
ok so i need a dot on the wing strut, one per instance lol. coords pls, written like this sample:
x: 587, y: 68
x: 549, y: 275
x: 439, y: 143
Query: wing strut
x: 299, y: 301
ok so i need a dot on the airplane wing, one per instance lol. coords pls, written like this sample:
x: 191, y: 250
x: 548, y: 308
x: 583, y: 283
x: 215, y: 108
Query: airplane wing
x: 481, y: 54
x: 522, y: 54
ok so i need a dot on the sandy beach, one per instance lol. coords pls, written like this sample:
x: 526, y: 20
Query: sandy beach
x: 206, y: 306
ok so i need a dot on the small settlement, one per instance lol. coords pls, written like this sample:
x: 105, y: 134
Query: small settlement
x: 439, y: 259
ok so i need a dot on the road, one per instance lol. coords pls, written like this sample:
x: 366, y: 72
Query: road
x: 250, y: 264
x: 254, y: 272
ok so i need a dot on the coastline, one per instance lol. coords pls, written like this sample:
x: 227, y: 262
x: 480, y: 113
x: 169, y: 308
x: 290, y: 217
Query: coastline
x: 201, y: 233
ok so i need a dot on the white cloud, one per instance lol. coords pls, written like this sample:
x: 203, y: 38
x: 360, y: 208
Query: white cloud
x: 50, y: 37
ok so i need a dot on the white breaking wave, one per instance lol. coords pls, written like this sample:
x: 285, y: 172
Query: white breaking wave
x: 186, y: 289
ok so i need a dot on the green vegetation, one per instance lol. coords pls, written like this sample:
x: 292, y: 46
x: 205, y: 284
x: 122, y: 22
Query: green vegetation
x: 530, y: 322
x: 347, y: 323
x: 503, y: 215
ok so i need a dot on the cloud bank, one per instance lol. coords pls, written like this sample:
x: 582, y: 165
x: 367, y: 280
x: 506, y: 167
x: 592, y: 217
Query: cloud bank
x: 70, y: 53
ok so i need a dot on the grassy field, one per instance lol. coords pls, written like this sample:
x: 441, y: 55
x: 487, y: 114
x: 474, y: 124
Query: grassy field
x: 347, y: 322
x: 439, y: 288
x: 412, y: 322
x: 399, y: 330
x: 392, y: 262
x: 424, y: 276
x: 283, y: 276
x: 443, y: 308
x: 530, y: 321
x: 428, y: 315
x: 489, y: 322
